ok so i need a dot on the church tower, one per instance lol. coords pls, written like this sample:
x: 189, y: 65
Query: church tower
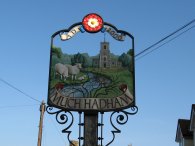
x: 104, y: 60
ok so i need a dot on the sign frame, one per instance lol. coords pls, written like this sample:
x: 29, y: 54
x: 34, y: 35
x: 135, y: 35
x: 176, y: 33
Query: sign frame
x: 69, y: 33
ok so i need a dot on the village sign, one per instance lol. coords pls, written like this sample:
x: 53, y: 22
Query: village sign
x: 100, y: 83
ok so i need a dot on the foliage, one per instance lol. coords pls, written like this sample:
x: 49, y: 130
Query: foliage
x: 57, y: 51
x: 55, y: 60
x: 88, y: 59
x: 66, y: 59
x: 79, y: 58
x: 125, y: 60
x: 131, y: 52
x: 117, y: 76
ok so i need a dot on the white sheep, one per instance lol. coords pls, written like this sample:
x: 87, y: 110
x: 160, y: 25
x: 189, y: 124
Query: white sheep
x: 62, y: 70
x: 74, y: 70
x: 81, y: 78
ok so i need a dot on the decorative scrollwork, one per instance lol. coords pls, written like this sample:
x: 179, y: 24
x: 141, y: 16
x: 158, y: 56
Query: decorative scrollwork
x: 121, y: 119
x: 62, y: 118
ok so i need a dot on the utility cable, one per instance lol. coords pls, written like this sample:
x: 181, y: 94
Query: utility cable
x: 18, y: 106
x: 165, y: 43
x: 163, y: 39
x: 13, y: 87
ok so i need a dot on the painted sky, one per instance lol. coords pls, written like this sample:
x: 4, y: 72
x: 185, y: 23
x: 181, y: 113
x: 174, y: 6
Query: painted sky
x: 164, y: 79
x: 92, y: 45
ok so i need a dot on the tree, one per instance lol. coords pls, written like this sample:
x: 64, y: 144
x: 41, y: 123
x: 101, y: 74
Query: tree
x: 57, y: 51
x: 125, y: 59
x: 79, y: 58
x: 131, y: 52
x: 131, y: 64
x: 88, y: 61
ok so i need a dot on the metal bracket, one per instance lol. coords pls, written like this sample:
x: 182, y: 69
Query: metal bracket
x: 121, y: 119
x: 67, y: 118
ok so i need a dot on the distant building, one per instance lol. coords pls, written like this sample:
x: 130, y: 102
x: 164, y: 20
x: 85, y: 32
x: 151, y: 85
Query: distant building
x: 104, y: 59
x: 185, y: 134
x: 192, y: 122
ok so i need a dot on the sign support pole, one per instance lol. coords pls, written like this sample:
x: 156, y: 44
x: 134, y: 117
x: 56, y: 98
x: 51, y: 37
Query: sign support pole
x: 90, y: 129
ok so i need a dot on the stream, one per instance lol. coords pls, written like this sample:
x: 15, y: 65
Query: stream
x: 85, y: 90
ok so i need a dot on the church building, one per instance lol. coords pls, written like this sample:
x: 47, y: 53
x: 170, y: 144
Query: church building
x: 105, y: 59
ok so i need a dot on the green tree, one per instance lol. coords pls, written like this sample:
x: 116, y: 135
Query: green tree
x: 125, y: 59
x: 79, y: 58
x: 130, y: 52
x: 88, y: 61
x: 57, y: 51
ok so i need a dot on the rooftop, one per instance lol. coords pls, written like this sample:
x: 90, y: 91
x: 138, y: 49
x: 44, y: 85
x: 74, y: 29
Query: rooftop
x: 183, y: 130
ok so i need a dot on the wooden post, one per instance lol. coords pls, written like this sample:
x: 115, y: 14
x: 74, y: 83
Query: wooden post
x: 90, y: 129
x: 42, y: 110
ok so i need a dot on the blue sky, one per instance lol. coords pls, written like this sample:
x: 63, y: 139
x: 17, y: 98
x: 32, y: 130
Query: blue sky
x: 164, y: 79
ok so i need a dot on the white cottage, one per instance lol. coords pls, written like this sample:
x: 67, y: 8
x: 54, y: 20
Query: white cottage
x: 192, y: 122
x: 183, y: 134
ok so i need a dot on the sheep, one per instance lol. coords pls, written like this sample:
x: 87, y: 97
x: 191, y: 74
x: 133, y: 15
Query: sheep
x: 62, y: 70
x: 74, y: 70
x: 81, y: 78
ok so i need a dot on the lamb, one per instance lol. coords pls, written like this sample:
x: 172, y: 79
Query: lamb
x: 74, y: 70
x: 62, y: 70
x: 81, y: 78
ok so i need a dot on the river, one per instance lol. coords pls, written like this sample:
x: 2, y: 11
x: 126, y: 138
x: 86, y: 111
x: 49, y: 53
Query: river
x: 85, y: 90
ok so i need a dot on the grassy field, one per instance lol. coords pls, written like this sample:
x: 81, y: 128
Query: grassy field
x: 118, y: 77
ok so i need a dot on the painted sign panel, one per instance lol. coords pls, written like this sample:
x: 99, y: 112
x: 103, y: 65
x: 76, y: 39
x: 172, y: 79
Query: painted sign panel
x: 92, y: 67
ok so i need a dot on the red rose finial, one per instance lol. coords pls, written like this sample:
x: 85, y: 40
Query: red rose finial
x: 92, y: 23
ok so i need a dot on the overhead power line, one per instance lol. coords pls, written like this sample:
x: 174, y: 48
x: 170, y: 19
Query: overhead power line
x: 165, y: 42
x: 13, y: 87
x: 163, y: 39
x: 17, y: 106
